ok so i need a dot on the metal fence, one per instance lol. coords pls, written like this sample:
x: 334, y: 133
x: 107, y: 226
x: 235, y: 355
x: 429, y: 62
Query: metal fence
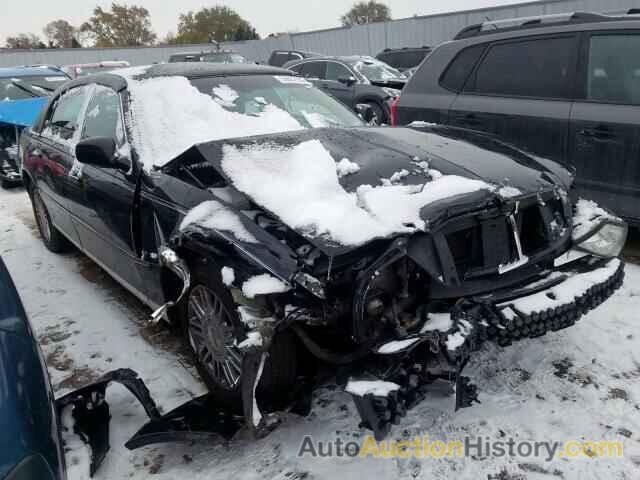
x: 357, y: 40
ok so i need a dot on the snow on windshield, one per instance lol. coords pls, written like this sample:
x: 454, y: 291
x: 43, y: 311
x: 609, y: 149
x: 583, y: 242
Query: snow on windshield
x: 377, y: 71
x: 300, y: 185
x: 168, y: 115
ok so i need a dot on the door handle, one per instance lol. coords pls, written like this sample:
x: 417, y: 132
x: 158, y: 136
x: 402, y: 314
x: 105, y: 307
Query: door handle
x: 598, y: 133
x: 469, y: 119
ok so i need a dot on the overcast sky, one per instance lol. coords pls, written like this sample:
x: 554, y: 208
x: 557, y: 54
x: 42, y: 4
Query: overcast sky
x: 267, y: 16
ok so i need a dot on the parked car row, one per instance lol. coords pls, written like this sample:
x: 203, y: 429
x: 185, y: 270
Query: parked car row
x: 23, y: 94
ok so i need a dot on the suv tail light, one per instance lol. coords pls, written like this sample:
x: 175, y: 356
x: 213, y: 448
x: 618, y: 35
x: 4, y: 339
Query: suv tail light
x: 394, y: 111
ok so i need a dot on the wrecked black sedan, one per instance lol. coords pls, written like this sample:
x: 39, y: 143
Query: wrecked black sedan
x: 262, y: 218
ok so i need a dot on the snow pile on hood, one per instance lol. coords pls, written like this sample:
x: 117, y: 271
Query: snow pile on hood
x: 587, y: 215
x: 263, y: 285
x: 168, y: 115
x: 346, y: 167
x: 300, y: 185
x: 214, y: 215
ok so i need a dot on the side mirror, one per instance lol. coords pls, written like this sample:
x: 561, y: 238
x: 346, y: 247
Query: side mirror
x: 365, y: 112
x: 348, y: 81
x: 100, y: 152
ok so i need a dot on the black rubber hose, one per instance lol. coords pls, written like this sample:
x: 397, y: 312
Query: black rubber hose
x: 327, y: 355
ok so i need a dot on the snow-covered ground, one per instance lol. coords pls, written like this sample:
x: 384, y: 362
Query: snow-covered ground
x: 579, y: 384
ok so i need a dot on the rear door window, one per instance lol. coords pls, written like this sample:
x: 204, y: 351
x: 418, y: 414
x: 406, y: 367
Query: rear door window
x: 539, y: 68
x: 613, y: 69
x: 336, y: 71
x: 460, y: 68
x: 314, y: 70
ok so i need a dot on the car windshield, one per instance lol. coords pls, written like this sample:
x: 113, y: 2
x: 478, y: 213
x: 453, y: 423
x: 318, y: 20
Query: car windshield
x: 377, y: 71
x: 250, y: 95
x: 224, y: 57
x: 20, y: 88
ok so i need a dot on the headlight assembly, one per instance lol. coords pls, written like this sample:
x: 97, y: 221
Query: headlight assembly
x: 606, y: 239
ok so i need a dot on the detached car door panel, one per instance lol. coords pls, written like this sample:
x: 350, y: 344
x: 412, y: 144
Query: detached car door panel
x: 605, y: 122
x: 521, y: 91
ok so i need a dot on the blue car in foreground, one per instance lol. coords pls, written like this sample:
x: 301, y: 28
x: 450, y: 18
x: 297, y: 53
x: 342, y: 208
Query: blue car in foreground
x: 24, y: 91
x: 30, y: 446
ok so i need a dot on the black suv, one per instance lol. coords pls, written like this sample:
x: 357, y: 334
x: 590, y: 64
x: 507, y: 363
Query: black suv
x: 355, y: 80
x: 405, y: 58
x: 565, y: 87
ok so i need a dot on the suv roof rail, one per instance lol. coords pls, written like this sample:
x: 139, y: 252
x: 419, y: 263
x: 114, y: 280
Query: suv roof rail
x: 531, y: 22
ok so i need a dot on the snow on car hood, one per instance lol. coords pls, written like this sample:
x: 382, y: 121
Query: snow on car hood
x: 397, y: 182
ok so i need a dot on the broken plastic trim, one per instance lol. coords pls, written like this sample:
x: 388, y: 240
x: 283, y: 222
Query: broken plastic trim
x: 91, y: 411
x: 169, y: 259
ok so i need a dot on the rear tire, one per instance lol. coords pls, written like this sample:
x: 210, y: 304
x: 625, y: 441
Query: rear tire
x: 210, y: 343
x: 51, y: 236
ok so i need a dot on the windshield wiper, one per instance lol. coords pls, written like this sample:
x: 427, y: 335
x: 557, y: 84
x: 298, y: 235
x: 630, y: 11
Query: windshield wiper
x: 25, y: 89
x: 48, y: 89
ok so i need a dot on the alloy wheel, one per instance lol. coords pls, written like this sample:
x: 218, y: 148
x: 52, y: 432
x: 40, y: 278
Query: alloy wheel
x: 211, y: 336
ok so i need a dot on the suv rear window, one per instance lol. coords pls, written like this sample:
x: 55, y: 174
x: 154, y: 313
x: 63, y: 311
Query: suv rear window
x: 403, y: 59
x: 614, y: 69
x: 540, y: 68
x: 460, y: 67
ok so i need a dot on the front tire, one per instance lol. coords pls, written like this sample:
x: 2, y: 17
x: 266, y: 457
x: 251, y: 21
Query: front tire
x: 51, y: 236
x: 378, y: 114
x: 212, y: 329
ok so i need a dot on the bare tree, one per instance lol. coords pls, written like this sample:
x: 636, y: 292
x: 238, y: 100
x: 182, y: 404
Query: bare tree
x: 25, y: 41
x: 61, y: 34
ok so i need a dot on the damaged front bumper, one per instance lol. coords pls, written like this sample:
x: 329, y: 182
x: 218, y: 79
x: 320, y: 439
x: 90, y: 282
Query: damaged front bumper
x: 550, y: 303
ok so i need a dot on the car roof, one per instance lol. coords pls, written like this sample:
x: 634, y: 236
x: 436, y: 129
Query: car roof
x: 537, y: 25
x: 117, y: 79
x: 405, y: 49
x: 344, y: 58
x: 31, y: 71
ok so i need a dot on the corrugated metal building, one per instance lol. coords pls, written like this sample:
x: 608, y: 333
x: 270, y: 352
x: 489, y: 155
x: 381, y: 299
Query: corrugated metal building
x: 361, y: 39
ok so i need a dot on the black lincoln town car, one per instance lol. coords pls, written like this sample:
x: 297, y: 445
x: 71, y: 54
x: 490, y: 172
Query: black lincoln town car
x: 279, y: 233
